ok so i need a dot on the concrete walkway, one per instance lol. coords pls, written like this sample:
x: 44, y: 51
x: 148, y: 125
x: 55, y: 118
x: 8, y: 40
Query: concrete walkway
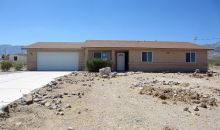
x: 13, y: 86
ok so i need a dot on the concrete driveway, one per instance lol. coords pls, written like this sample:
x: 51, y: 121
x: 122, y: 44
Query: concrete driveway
x: 13, y: 86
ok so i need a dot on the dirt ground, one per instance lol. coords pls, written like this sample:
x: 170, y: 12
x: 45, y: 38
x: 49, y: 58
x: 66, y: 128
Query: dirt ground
x: 85, y: 101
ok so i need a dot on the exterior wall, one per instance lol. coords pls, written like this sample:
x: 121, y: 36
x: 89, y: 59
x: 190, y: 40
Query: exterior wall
x: 21, y: 59
x: 167, y: 60
x: 163, y: 59
x: 32, y: 56
x: 31, y: 59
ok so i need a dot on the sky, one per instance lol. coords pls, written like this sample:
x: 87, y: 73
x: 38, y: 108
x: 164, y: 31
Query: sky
x: 23, y: 22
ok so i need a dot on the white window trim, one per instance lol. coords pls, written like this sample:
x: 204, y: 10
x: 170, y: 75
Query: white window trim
x: 147, y: 60
x: 190, y: 57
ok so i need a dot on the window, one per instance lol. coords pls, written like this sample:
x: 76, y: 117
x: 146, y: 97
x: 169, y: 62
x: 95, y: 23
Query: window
x: 15, y: 58
x: 102, y: 55
x: 147, y: 56
x: 190, y: 57
x: 98, y: 55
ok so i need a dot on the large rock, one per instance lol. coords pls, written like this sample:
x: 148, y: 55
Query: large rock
x: 105, y: 71
x: 28, y: 99
x: 113, y: 74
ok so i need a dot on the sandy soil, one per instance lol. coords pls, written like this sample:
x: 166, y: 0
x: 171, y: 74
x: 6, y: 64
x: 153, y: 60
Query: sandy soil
x: 89, y: 102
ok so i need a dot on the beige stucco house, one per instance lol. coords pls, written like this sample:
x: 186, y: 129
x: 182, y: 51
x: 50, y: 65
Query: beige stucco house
x: 148, y: 56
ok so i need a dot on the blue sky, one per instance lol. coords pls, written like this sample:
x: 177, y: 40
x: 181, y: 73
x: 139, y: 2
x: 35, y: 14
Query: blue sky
x: 26, y: 21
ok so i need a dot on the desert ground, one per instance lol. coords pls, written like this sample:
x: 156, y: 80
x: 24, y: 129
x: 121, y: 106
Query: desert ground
x: 126, y: 101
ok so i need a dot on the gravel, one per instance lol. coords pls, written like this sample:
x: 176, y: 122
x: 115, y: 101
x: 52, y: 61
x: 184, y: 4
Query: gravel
x: 115, y: 103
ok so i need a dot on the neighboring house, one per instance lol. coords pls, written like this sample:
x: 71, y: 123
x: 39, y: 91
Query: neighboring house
x: 18, y: 58
x: 4, y: 57
x: 125, y: 55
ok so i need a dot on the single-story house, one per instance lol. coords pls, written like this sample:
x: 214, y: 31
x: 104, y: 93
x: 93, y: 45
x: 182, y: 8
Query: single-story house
x: 148, y: 56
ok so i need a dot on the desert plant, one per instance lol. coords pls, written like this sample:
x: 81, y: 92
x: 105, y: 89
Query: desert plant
x: 215, y: 63
x: 94, y: 65
x: 18, y: 67
x: 6, y: 65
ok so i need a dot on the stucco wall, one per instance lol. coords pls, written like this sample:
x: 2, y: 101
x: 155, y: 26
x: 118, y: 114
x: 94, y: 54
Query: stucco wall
x: 32, y: 56
x: 163, y: 59
x: 167, y: 60
x: 21, y: 59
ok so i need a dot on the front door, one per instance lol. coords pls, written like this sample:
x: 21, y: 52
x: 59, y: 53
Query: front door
x: 120, y: 61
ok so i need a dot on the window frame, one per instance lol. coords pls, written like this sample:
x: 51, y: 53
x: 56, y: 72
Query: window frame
x: 147, y: 57
x: 94, y: 55
x: 101, y: 55
x: 190, y: 52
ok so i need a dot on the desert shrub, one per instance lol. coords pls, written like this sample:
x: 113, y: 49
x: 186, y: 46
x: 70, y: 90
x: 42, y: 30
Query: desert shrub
x: 94, y: 65
x: 6, y: 65
x: 18, y: 67
x: 215, y: 63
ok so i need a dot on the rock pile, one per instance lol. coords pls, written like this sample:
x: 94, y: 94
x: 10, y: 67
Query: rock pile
x: 48, y: 98
x: 197, y: 74
x: 183, y: 95
x: 152, y: 82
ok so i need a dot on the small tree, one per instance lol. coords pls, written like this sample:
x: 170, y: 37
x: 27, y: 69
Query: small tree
x: 94, y: 65
x: 3, y: 56
x: 6, y: 65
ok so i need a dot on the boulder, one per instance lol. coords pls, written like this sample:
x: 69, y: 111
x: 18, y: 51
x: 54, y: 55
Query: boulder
x: 59, y: 79
x: 37, y: 99
x: 210, y: 73
x: 113, y: 74
x: 4, y: 109
x: 47, y: 104
x: 68, y: 106
x: 196, y: 108
x: 197, y: 71
x: 203, y: 105
x: 53, y: 83
x: 43, y: 102
x: 105, y: 71
x: 186, y: 109
x: 121, y: 74
x: 70, y: 128
x: 104, y: 76
x: 28, y: 99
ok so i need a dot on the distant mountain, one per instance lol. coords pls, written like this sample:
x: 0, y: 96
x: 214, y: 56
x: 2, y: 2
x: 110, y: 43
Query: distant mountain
x: 9, y: 49
x: 214, y: 54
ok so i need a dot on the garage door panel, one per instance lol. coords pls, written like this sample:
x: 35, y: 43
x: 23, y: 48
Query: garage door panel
x: 57, y: 60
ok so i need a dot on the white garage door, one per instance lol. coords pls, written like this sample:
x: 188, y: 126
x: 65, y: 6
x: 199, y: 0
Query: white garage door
x: 57, y: 61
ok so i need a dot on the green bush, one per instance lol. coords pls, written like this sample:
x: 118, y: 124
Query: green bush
x: 6, y: 65
x: 18, y: 67
x: 94, y: 65
x: 215, y: 63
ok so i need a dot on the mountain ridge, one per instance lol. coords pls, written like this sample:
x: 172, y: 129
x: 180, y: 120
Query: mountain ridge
x: 214, y: 54
x: 10, y: 49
